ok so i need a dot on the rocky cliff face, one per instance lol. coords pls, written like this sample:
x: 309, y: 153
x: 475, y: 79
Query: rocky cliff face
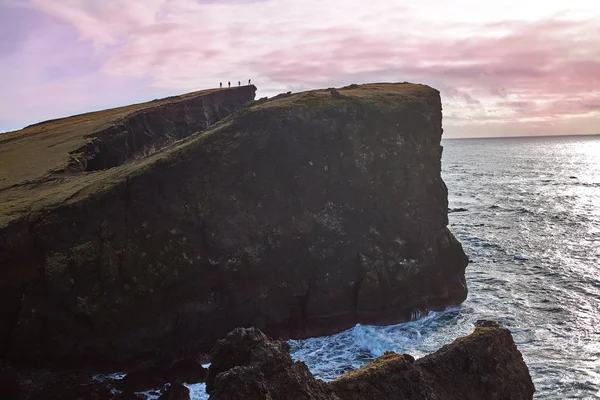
x: 484, y: 365
x: 146, y: 131
x: 301, y: 216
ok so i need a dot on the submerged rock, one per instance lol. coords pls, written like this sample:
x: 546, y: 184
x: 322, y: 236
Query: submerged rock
x: 483, y: 365
x: 301, y: 215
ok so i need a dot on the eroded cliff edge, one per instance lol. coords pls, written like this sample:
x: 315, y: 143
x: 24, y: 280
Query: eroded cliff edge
x: 301, y: 216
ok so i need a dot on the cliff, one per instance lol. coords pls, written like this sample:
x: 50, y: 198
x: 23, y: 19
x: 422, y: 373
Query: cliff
x: 301, y: 215
x: 484, y: 365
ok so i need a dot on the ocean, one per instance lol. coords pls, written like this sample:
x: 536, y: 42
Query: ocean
x: 527, y: 211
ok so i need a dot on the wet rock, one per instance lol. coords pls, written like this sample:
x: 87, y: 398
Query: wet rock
x: 141, y: 380
x: 247, y: 365
x: 483, y: 365
x: 188, y: 371
x: 126, y: 396
x: 456, y: 210
x: 485, y: 323
x: 176, y: 392
x: 63, y: 385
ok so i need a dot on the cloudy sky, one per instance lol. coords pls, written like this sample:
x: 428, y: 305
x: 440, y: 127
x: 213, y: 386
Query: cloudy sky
x: 511, y: 67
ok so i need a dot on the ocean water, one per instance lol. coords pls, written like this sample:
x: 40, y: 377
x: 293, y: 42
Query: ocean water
x: 532, y: 231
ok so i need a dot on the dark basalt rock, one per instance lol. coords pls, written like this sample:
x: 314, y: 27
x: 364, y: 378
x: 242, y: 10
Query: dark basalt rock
x: 143, y: 379
x: 9, y: 381
x: 302, y: 216
x: 176, y: 392
x: 247, y: 365
x: 483, y: 365
x: 29, y: 384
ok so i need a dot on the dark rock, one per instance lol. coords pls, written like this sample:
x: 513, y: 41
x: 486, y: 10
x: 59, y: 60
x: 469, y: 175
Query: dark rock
x: 352, y: 86
x: 334, y: 93
x: 302, y: 216
x: 188, y: 371
x: 60, y: 385
x: 455, y: 210
x: 149, y: 130
x: 176, y: 392
x: 246, y: 365
x: 483, y: 365
x: 9, y: 381
x: 125, y: 396
x: 484, y: 323
x: 143, y: 379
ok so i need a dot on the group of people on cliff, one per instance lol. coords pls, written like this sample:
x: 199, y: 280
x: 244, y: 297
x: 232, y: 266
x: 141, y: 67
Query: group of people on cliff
x: 239, y: 83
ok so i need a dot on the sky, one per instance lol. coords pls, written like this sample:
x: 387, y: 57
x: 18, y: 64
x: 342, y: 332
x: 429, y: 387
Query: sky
x: 508, y: 68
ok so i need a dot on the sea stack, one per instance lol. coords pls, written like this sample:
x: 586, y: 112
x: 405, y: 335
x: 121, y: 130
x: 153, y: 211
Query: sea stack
x: 159, y: 230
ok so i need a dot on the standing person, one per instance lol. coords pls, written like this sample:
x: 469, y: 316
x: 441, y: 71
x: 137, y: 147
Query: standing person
x: 229, y: 83
x: 221, y: 85
x: 249, y: 82
x: 239, y: 83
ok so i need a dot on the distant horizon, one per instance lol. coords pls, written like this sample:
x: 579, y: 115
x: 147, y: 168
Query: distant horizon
x: 567, y: 135
x: 517, y: 68
x: 444, y: 136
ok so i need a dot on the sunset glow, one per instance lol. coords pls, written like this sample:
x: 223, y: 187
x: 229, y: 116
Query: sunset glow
x: 506, y: 68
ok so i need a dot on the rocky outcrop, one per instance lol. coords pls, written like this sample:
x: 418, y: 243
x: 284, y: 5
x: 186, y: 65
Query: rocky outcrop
x: 484, y: 365
x: 156, y: 376
x: 148, y: 131
x: 247, y: 365
x: 301, y: 215
x: 164, y: 381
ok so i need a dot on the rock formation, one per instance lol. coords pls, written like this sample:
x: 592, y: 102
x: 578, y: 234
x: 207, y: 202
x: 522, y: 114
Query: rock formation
x: 301, y: 215
x: 33, y: 384
x: 484, y: 365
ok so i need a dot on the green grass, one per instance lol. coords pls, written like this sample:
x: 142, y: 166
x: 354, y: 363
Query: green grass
x: 384, y: 94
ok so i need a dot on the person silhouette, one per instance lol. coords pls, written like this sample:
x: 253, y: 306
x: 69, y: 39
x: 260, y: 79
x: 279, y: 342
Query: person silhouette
x: 229, y: 83
x: 249, y: 83
x: 221, y: 85
x: 239, y: 83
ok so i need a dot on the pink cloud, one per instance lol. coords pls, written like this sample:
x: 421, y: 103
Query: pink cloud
x: 492, y: 70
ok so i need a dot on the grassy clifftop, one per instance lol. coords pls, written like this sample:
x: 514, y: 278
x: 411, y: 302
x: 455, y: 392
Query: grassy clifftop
x: 33, y: 161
